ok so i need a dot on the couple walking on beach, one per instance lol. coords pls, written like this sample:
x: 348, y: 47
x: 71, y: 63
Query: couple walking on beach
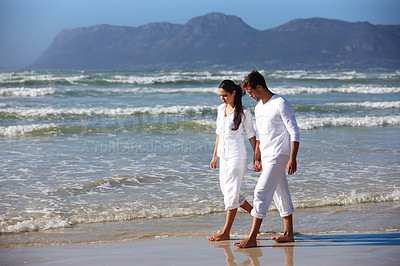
x: 275, y: 145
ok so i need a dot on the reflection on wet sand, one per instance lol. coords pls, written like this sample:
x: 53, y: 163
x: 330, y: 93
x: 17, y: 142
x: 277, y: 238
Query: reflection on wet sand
x: 252, y: 255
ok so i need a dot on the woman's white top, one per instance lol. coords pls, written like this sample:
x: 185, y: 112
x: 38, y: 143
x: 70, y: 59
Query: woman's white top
x: 276, y: 127
x: 231, y: 142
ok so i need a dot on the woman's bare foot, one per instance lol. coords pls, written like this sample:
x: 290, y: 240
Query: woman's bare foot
x: 220, y: 237
x: 283, y: 239
x: 247, y: 243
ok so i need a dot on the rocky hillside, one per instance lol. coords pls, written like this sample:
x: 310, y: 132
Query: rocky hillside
x: 221, y: 41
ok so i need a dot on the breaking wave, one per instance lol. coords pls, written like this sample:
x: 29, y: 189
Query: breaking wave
x: 307, y: 123
x: 34, y: 129
x: 26, y: 92
x: 75, y: 112
x: 51, y: 218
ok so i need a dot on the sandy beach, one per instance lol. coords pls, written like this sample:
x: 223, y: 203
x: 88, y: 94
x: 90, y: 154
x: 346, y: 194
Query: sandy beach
x: 340, y: 249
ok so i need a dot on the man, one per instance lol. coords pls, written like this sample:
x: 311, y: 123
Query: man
x: 276, y: 149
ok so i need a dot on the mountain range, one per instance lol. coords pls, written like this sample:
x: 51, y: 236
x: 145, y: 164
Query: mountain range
x: 220, y: 41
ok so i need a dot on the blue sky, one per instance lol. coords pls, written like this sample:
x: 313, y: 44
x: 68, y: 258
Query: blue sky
x: 27, y: 27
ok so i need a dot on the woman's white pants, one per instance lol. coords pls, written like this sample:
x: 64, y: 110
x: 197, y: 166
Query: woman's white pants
x: 273, y: 184
x: 231, y: 172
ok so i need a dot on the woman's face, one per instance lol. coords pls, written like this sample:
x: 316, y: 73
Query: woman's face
x: 227, y: 97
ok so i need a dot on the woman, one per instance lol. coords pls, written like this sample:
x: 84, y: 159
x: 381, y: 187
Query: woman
x: 230, y: 148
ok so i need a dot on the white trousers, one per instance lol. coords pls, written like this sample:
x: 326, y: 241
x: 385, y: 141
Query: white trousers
x: 231, y: 172
x: 273, y: 184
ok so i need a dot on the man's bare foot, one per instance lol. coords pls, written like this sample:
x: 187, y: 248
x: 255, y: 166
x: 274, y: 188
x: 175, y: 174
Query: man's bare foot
x: 220, y: 237
x: 283, y: 239
x: 247, y: 243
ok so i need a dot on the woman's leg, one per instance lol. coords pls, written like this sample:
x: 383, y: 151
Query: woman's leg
x: 231, y: 175
x: 226, y: 232
x: 246, y: 206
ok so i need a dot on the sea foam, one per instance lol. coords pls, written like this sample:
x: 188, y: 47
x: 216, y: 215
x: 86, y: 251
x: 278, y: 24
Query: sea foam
x: 307, y: 123
x: 12, y: 131
x: 378, y: 105
x: 60, y: 112
x: 26, y: 92
x: 104, y: 213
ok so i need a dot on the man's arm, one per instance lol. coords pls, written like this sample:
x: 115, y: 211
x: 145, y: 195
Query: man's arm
x: 292, y: 164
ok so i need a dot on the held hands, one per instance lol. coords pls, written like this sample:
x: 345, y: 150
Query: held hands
x: 257, y: 162
x: 257, y: 157
x: 257, y: 165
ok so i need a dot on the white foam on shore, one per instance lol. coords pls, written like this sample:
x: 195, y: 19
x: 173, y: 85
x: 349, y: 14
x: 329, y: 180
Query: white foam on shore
x: 351, y: 198
x: 31, y: 225
x: 51, y: 219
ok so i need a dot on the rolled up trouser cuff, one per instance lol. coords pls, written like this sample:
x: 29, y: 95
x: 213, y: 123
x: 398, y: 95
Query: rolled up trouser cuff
x: 242, y: 200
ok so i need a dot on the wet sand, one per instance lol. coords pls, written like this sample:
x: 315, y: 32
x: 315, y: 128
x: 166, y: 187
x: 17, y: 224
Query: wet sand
x: 340, y: 249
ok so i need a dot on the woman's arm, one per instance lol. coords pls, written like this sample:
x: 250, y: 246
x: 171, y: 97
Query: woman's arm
x: 214, y: 160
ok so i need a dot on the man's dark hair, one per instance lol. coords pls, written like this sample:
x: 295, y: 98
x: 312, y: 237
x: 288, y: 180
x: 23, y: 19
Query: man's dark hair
x: 253, y: 79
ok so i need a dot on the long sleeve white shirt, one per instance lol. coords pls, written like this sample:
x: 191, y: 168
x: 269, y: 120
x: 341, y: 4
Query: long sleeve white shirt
x: 231, y: 142
x: 276, y: 127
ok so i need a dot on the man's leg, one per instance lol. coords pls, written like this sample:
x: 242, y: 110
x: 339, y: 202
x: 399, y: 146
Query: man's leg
x: 283, y: 201
x: 246, y: 206
x: 287, y: 235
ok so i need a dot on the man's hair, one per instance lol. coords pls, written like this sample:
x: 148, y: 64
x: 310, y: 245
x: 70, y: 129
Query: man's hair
x: 253, y: 79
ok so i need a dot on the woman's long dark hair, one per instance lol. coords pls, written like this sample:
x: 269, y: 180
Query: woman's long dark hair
x: 230, y: 86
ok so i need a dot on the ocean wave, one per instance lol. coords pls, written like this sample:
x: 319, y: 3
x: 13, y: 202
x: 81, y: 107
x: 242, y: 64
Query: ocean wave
x: 318, y: 75
x: 35, y: 92
x: 20, y: 130
x: 134, y: 78
x: 214, y: 90
x: 355, y: 76
x: 150, y: 90
x: 73, y: 112
x: 101, y: 92
x: 307, y: 123
x: 351, y: 198
x: 26, y: 92
x: 304, y: 123
x: 54, y: 129
x: 378, y: 105
x: 39, y: 78
x: 50, y: 218
x: 184, y: 77
x: 367, y: 89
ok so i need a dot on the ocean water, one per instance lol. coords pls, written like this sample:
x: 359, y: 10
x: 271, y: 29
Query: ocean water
x: 100, y: 156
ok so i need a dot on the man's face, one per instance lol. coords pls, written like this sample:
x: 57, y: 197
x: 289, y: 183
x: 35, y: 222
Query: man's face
x: 254, y: 93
